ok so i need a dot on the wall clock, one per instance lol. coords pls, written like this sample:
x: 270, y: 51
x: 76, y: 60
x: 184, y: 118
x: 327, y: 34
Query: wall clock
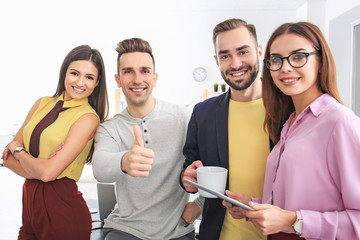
x: 199, y: 74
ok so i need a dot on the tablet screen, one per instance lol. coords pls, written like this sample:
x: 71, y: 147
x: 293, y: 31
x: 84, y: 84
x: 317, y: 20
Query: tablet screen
x: 220, y: 195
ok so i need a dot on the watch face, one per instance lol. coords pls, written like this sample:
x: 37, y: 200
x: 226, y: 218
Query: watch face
x: 18, y: 149
x: 199, y: 74
x: 298, y: 226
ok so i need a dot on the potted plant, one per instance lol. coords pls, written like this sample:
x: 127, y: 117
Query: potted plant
x: 223, y: 87
x: 216, y: 87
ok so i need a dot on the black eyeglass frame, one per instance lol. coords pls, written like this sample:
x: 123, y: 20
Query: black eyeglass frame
x: 267, y: 60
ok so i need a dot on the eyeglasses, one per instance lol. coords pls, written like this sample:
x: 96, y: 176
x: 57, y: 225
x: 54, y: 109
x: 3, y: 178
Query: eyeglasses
x: 296, y: 60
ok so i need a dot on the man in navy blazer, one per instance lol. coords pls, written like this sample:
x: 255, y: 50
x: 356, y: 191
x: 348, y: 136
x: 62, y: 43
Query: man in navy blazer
x: 212, y: 135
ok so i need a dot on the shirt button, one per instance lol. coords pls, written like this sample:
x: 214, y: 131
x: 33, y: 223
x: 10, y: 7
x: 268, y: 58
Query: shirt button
x: 145, y: 130
x: 144, y: 121
x: 146, y: 142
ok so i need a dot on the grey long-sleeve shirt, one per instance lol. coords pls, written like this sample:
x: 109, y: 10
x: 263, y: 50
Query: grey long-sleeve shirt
x: 148, y: 208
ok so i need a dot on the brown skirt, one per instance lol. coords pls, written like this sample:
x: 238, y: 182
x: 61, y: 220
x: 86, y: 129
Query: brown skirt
x: 284, y: 236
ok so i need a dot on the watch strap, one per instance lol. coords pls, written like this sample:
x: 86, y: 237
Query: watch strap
x: 298, y: 224
x: 17, y: 149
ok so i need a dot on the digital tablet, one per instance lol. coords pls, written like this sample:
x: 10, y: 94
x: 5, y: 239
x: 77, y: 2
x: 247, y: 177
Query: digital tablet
x: 220, y: 195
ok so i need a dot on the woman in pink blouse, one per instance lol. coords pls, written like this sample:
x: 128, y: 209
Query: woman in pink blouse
x: 312, y: 177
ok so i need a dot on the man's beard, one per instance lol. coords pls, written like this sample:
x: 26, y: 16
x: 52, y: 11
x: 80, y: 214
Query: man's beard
x: 254, y: 70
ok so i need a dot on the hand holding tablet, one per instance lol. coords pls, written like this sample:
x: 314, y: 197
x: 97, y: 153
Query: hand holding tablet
x: 220, y: 195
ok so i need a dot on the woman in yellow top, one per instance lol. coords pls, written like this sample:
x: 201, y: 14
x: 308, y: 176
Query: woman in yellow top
x: 53, y: 208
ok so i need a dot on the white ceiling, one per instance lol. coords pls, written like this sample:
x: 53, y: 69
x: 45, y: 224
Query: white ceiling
x: 239, y: 4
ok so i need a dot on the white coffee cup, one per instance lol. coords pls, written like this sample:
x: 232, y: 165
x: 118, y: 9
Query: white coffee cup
x: 213, y: 178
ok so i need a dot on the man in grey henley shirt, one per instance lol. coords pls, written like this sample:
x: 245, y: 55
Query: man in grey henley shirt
x: 140, y: 150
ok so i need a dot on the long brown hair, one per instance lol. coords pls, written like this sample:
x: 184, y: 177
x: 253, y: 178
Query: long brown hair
x: 279, y: 106
x: 98, y: 99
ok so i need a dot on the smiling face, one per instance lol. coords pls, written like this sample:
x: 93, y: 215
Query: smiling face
x: 136, y: 78
x: 299, y: 83
x: 80, y: 79
x: 237, y: 57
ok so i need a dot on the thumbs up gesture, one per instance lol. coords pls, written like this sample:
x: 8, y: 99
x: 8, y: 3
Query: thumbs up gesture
x: 137, y: 162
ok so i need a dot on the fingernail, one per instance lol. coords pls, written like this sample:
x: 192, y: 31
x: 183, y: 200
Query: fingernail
x: 229, y: 204
x: 239, y: 209
x: 252, y: 203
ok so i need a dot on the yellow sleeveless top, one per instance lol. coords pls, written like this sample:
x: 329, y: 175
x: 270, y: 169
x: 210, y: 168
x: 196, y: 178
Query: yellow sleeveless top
x: 56, y: 133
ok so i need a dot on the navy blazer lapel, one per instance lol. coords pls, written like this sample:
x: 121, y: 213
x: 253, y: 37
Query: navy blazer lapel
x: 222, y: 136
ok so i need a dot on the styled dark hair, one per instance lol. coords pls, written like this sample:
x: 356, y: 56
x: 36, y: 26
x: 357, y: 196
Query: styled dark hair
x: 231, y: 24
x: 133, y: 45
x: 279, y: 106
x: 98, y: 99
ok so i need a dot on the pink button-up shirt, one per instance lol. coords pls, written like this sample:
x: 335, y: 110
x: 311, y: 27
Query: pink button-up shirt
x: 315, y: 168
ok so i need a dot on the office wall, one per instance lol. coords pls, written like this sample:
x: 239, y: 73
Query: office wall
x: 38, y: 34
x: 340, y: 41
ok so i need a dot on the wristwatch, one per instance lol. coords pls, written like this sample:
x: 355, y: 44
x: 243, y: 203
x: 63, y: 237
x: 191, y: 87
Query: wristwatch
x: 298, y: 224
x: 18, y: 149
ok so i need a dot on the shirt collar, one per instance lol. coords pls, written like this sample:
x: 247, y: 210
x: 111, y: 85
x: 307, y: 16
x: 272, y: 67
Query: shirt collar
x: 150, y: 115
x: 316, y: 107
x: 320, y: 104
x: 72, y: 102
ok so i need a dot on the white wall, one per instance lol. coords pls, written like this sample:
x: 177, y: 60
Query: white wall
x: 36, y: 35
x: 334, y: 8
x: 340, y: 41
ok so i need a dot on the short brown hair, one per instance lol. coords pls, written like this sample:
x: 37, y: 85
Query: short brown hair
x: 133, y: 45
x: 231, y: 24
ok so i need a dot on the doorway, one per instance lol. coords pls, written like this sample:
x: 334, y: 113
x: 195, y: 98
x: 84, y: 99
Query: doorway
x: 356, y: 69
